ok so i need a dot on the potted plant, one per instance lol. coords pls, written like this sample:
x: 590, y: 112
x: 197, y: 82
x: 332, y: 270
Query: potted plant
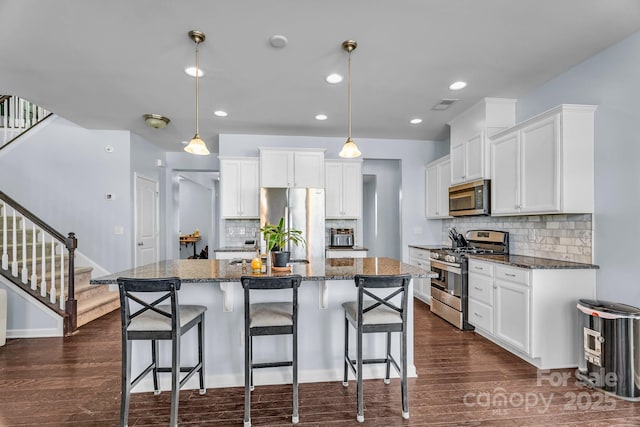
x: 277, y: 237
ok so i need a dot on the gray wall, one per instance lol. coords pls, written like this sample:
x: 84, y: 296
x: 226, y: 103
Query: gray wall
x: 414, y: 155
x: 62, y: 172
x: 611, y: 80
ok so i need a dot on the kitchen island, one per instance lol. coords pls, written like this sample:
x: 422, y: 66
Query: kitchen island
x: 326, y: 284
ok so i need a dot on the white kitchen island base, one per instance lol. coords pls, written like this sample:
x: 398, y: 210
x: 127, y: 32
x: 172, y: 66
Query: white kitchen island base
x: 320, y: 336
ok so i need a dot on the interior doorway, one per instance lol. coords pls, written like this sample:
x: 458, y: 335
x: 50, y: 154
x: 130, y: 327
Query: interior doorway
x: 196, y: 196
x: 381, y: 201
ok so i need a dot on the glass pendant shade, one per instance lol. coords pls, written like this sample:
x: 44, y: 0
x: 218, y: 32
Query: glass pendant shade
x: 350, y: 149
x: 197, y: 146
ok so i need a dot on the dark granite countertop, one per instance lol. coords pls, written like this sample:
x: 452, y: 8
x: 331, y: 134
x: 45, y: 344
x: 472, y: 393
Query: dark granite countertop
x: 532, y: 262
x: 236, y: 249
x: 428, y: 247
x: 207, y: 270
x: 346, y: 248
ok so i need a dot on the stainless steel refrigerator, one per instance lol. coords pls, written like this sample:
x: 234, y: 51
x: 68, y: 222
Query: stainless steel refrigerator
x: 302, y: 209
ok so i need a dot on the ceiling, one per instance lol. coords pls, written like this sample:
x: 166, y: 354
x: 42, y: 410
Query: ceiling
x: 103, y: 65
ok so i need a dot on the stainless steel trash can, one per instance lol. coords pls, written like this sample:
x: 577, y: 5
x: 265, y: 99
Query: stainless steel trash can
x: 610, y: 347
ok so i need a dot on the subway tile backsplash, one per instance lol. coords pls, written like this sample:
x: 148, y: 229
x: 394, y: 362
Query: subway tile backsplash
x: 564, y: 237
x: 236, y: 231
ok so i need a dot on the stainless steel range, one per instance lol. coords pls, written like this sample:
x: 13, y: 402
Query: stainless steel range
x: 450, y: 289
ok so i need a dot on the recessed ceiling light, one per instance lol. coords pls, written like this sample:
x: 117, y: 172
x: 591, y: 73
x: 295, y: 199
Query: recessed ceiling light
x: 191, y: 71
x: 458, y: 85
x: 333, y: 78
x: 220, y: 113
x: 415, y: 121
x: 321, y: 117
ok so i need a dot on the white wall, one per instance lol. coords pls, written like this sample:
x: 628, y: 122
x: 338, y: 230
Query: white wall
x: 413, y: 154
x: 610, y: 80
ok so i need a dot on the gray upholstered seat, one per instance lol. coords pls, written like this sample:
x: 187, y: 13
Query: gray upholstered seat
x: 152, y: 321
x: 271, y: 314
x: 269, y: 318
x: 379, y: 313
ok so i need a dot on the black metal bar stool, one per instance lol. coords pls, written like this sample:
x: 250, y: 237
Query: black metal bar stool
x: 269, y: 318
x: 378, y: 313
x: 152, y: 321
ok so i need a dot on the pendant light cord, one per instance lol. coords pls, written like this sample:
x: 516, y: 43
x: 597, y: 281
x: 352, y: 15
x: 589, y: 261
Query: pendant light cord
x: 197, y: 90
x: 349, y: 90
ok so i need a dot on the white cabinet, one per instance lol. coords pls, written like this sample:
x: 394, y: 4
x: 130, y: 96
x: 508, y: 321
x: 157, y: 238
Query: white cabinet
x: 512, y: 307
x: 239, y: 188
x: 291, y: 168
x: 226, y: 255
x: 438, y: 178
x: 530, y: 312
x: 545, y: 165
x: 469, y: 159
x: 421, y: 286
x: 343, y: 189
x: 469, y: 150
x: 346, y: 253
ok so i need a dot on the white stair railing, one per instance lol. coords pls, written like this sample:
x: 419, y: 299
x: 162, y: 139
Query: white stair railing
x: 17, y: 115
x: 24, y: 237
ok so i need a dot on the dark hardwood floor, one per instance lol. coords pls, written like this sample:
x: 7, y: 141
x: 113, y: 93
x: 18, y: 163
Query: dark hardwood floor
x: 463, y: 380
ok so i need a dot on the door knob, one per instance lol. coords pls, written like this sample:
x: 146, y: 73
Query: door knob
x: 140, y: 244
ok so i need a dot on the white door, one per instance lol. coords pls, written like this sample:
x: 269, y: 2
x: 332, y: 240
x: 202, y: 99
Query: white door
x: 146, y: 244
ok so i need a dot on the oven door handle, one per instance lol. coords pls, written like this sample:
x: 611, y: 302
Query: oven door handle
x: 446, y: 266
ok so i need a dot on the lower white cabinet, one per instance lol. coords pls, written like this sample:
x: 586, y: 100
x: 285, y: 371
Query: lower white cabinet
x: 235, y: 255
x: 346, y: 253
x: 528, y: 311
x: 421, y: 286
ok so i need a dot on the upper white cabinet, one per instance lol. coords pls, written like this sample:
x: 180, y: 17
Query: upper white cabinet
x: 343, y: 189
x: 469, y: 132
x: 438, y: 181
x: 239, y: 188
x: 545, y: 164
x: 293, y: 168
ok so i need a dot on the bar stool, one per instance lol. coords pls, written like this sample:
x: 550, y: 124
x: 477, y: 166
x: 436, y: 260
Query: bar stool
x: 152, y: 321
x: 378, y: 314
x: 269, y: 318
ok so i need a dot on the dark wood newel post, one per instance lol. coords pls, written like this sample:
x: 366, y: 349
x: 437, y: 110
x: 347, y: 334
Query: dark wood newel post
x: 71, y: 305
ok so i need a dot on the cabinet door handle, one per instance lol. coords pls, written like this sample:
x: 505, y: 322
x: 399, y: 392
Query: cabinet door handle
x: 477, y: 315
x: 477, y: 288
x: 479, y: 268
x: 510, y: 274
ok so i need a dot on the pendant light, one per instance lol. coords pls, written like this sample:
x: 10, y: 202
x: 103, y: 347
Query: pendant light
x: 197, y: 145
x: 349, y: 149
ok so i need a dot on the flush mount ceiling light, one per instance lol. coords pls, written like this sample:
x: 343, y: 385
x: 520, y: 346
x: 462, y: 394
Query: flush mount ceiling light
x: 197, y: 145
x: 349, y: 149
x: 458, y: 85
x: 156, y: 121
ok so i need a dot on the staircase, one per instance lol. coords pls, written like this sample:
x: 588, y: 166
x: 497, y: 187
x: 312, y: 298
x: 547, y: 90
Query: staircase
x: 28, y: 257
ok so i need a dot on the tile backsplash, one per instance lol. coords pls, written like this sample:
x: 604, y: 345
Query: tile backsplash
x: 236, y: 231
x: 564, y: 237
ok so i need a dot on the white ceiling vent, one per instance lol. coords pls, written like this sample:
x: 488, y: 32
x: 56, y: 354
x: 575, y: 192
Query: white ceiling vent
x: 444, y: 104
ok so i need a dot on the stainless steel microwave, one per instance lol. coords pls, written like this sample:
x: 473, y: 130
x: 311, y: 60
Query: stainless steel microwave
x: 470, y: 198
